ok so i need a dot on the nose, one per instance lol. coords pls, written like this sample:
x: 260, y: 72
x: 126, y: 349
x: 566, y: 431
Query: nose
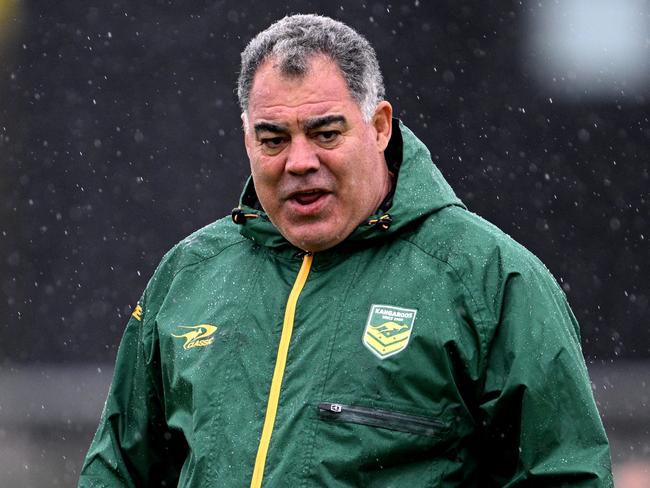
x: 302, y: 157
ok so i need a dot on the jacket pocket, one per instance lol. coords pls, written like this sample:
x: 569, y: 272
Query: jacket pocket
x: 384, y: 419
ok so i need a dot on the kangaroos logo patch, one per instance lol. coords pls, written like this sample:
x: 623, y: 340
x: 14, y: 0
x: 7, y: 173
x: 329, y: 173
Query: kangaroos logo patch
x: 388, y: 329
x: 197, y: 335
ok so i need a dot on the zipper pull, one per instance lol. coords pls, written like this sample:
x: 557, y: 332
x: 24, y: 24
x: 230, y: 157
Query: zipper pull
x: 301, y: 254
x: 331, y: 407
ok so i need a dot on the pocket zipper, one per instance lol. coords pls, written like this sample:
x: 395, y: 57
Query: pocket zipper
x: 413, y: 424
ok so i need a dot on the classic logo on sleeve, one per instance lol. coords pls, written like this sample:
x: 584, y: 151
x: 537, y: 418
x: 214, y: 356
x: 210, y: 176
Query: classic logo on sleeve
x: 388, y: 329
x: 137, y: 313
x: 197, y: 335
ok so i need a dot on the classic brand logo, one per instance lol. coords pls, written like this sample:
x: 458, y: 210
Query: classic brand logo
x: 137, y: 313
x: 198, y: 335
x: 388, y: 329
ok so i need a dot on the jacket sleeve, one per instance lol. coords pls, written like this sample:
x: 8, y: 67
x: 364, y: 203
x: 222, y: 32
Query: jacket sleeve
x: 541, y: 425
x: 133, y: 446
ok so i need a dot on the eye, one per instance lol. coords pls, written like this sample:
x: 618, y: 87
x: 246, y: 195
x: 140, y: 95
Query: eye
x: 273, y: 142
x: 273, y: 145
x: 327, y: 136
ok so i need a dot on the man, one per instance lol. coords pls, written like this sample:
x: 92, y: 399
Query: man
x: 355, y: 325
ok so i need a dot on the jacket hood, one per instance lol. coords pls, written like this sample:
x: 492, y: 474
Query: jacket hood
x: 419, y: 191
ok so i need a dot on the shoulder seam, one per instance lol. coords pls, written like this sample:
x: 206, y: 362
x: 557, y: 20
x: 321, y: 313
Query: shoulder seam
x: 456, y: 272
x: 243, y: 239
x: 177, y: 271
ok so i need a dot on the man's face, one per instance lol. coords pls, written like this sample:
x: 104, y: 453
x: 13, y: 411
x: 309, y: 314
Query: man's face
x: 318, y: 168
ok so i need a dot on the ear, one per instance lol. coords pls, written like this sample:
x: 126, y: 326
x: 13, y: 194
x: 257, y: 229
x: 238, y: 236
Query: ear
x: 382, y: 121
x: 247, y: 136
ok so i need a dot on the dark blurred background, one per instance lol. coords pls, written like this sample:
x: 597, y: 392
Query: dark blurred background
x: 120, y: 134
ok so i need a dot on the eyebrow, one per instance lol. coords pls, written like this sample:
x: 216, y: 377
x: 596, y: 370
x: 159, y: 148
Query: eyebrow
x: 270, y: 127
x: 317, y: 122
x: 310, y: 124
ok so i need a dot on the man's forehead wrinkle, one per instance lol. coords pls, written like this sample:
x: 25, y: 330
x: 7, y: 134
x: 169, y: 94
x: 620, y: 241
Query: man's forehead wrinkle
x: 314, y: 98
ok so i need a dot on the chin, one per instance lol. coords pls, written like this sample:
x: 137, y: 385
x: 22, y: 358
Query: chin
x: 311, y: 243
x: 314, y: 236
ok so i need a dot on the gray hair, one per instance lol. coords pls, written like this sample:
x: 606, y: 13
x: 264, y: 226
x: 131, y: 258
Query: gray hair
x: 294, y: 39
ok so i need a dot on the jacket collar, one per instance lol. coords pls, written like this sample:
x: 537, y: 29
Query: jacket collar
x: 418, y: 191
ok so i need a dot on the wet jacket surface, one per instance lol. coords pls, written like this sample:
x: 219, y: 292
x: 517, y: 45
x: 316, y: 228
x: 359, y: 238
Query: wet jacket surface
x: 427, y: 350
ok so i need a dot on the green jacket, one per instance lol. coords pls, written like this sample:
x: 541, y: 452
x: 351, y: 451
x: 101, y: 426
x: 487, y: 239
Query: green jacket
x: 427, y: 350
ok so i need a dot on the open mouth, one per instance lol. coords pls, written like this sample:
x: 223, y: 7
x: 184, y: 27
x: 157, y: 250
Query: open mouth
x: 309, y: 203
x: 308, y: 197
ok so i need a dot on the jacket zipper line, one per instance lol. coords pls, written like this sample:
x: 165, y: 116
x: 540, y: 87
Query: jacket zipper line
x: 278, y: 372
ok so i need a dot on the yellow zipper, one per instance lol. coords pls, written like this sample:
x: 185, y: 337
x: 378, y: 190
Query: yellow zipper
x: 278, y: 373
